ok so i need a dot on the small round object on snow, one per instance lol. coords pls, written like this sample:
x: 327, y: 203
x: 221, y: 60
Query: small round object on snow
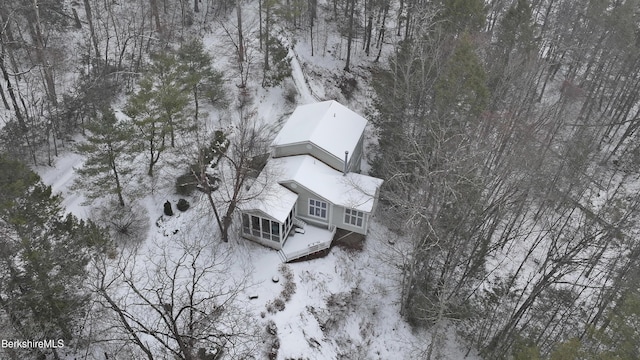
x: 275, y: 278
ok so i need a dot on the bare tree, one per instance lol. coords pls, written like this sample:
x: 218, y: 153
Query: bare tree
x: 176, y: 301
x: 235, y: 164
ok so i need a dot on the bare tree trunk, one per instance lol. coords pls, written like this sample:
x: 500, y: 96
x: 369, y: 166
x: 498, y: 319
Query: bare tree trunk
x: 382, y: 31
x: 240, y: 35
x: 368, y: 32
x: 312, y: 18
x: 156, y: 14
x: 266, y: 34
x: 260, y: 32
x: 36, y: 32
x: 94, y: 39
x: 216, y: 214
x: 350, y: 35
x: 399, y: 21
x: 4, y: 98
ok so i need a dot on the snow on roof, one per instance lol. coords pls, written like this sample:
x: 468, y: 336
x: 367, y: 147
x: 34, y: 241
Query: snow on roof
x: 353, y: 190
x: 270, y: 197
x: 327, y: 124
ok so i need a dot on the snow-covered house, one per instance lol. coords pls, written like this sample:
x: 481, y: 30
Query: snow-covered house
x: 311, y: 186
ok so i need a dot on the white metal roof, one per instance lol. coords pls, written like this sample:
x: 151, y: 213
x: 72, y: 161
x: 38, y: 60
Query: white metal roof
x: 327, y: 124
x: 355, y: 191
x: 270, y: 197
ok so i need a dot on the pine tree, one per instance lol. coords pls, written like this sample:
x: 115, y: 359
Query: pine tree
x: 620, y: 338
x: 44, y: 255
x: 198, y: 75
x: 516, y: 31
x: 461, y: 90
x: 159, y: 109
x: 149, y: 123
x: 460, y: 16
x: 169, y: 96
x: 107, y: 148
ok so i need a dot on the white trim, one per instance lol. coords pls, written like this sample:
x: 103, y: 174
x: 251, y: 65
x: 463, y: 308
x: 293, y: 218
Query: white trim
x: 318, y: 205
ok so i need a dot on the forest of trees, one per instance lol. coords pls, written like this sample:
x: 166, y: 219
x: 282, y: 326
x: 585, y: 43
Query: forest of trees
x: 506, y: 136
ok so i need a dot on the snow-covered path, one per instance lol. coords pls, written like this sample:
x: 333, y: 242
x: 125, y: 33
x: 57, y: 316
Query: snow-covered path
x: 61, y: 177
x: 306, y: 97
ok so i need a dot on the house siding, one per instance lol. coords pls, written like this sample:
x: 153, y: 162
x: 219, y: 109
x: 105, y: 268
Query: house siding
x: 335, y: 213
x: 316, y: 152
x: 355, y: 159
x: 337, y: 219
x: 290, y: 149
x: 302, y: 205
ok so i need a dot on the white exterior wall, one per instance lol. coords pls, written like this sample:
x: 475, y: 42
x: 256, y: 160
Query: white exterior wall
x: 335, y: 213
x: 302, y: 205
x: 337, y: 219
x: 308, y: 148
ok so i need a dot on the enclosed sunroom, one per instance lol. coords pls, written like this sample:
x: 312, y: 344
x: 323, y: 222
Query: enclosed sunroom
x: 269, y: 220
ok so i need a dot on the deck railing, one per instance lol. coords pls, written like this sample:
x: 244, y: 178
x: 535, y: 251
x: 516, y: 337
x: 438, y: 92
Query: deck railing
x: 310, y: 249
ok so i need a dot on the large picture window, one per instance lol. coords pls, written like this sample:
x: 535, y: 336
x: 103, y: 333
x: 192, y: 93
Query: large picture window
x: 353, y: 217
x: 318, y: 208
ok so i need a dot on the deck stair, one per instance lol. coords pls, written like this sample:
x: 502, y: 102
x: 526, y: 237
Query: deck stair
x: 282, y: 256
x: 299, y: 223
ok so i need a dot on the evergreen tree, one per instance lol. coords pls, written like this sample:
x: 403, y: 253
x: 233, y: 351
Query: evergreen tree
x: 619, y: 338
x: 169, y: 96
x: 280, y: 67
x: 107, y: 148
x: 159, y: 109
x: 514, y: 55
x: 461, y: 90
x: 198, y: 75
x: 516, y: 32
x: 44, y: 257
x: 148, y: 121
x: 460, y: 16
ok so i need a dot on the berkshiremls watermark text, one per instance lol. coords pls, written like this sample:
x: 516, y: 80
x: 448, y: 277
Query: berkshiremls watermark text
x: 31, y: 344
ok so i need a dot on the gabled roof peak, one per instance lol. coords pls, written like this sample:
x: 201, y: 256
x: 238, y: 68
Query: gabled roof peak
x: 327, y: 124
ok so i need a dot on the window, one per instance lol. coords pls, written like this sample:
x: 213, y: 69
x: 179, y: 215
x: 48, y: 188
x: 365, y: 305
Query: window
x: 318, y: 208
x: 353, y: 217
x: 245, y: 224
x: 266, y: 229
x: 255, y: 226
x: 261, y: 227
x: 288, y: 223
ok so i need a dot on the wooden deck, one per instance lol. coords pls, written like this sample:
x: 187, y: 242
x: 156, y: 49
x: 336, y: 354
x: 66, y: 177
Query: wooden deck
x: 313, y: 240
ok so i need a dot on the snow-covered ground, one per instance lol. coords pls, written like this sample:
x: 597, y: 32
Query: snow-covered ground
x: 345, y: 305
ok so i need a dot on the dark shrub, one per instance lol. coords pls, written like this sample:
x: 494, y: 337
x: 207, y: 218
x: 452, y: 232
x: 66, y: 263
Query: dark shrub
x: 272, y: 328
x: 348, y: 86
x: 167, y: 209
x: 185, y: 184
x: 290, y: 94
x: 288, y: 290
x: 183, y: 205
